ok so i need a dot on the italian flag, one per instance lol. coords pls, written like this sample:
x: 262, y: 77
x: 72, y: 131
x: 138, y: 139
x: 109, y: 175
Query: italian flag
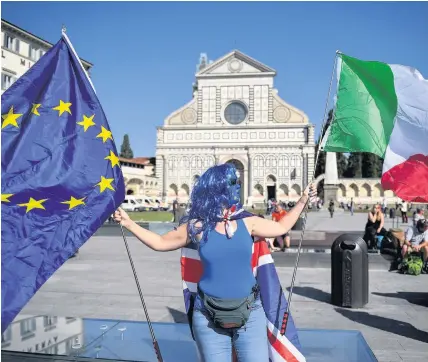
x: 383, y: 109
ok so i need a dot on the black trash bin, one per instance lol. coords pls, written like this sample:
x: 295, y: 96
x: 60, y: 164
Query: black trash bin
x: 349, y: 272
x: 298, y: 225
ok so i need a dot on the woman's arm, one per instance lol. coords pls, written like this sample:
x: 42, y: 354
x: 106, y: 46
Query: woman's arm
x: 270, y: 229
x: 172, y: 240
x: 382, y: 222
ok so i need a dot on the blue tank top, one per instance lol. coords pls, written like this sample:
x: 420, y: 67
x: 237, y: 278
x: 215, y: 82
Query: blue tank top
x: 227, y: 271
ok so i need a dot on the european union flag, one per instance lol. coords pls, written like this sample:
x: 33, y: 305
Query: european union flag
x: 61, y: 177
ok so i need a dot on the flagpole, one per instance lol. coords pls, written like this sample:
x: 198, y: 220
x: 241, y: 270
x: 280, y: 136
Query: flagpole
x: 64, y: 35
x: 293, y: 279
x: 152, y: 333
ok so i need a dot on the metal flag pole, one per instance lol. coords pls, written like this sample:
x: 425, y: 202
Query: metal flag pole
x: 305, y: 209
x: 152, y: 333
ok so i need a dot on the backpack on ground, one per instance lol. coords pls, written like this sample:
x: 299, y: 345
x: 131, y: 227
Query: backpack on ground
x: 412, y: 265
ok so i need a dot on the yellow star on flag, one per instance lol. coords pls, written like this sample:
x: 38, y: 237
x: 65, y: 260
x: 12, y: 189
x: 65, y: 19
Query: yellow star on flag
x: 63, y: 107
x: 105, y: 134
x: 5, y: 197
x: 10, y: 118
x: 35, y: 109
x: 113, y: 159
x: 74, y: 202
x: 105, y: 183
x: 34, y: 204
x: 87, y: 122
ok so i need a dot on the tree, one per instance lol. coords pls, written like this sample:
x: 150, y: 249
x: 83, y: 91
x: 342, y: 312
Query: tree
x: 320, y: 167
x: 342, y: 164
x: 152, y: 160
x: 369, y: 165
x: 380, y: 166
x: 354, y: 168
x: 125, y: 149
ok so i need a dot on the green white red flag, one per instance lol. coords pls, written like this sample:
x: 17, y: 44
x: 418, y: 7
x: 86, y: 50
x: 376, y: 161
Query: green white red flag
x: 383, y: 109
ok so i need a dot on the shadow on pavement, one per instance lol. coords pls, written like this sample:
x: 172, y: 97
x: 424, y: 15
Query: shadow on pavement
x: 313, y: 293
x: 385, y: 324
x: 178, y: 316
x: 418, y: 298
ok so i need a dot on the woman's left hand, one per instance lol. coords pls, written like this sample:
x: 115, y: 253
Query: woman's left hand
x: 378, y: 230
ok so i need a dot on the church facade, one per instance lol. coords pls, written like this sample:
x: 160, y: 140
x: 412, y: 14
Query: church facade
x: 236, y: 116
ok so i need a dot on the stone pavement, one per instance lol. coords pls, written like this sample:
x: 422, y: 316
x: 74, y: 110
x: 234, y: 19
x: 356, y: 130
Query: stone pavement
x: 342, y: 221
x: 99, y: 284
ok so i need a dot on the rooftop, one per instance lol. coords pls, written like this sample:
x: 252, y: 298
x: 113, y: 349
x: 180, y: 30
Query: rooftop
x: 37, y: 39
x: 145, y: 161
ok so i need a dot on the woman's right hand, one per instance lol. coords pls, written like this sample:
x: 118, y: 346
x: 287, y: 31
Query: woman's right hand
x: 122, y: 217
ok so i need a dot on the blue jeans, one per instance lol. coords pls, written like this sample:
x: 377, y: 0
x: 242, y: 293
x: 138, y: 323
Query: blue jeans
x: 215, y: 343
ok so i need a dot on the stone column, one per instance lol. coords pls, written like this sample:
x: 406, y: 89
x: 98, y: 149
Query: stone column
x: 331, y: 180
x: 245, y: 193
x: 310, y: 137
x: 305, y: 175
x: 164, y: 178
x: 216, y: 156
x: 250, y: 176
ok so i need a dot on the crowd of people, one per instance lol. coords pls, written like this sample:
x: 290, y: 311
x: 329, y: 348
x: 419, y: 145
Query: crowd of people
x: 411, y: 244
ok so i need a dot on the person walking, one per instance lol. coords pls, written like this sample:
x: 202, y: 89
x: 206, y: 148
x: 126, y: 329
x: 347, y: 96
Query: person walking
x: 331, y: 208
x: 225, y: 249
x: 351, y: 206
x: 404, y: 209
x: 175, y: 209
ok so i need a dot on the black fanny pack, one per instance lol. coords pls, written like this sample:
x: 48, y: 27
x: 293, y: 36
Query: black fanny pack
x: 229, y: 313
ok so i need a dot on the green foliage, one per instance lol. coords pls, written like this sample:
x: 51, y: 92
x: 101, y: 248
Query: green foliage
x: 149, y: 216
x: 342, y: 161
x: 125, y: 149
x: 371, y: 165
x: 342, y: 164
x: 320, y: 167
x: 354, y: 169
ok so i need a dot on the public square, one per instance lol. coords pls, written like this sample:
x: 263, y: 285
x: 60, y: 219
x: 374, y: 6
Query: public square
x: 98, y: 283
x: 109, y: 105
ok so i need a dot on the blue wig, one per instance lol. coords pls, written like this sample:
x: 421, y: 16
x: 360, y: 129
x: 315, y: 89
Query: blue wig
x: 217, y: 189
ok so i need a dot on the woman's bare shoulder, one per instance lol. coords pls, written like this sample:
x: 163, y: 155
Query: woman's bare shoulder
x: 250, y: 222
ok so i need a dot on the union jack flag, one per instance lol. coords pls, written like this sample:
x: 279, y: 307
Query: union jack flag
x: 282, y: 348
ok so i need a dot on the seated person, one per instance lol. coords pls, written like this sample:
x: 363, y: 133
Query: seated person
x: 374, y: 226
x: 419, y: 215
x: 278, y: 214
x: 416, y: 240
x: 270, y: 241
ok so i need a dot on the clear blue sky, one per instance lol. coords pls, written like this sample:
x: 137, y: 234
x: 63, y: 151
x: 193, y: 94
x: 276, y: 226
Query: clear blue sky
x: 145, y: 54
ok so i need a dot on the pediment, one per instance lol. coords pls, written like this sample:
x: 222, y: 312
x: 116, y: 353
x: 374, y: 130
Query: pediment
x: 236, y: 63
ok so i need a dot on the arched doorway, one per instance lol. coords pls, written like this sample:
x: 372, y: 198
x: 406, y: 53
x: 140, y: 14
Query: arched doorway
x: 240, y: 167
x: 271, y: 187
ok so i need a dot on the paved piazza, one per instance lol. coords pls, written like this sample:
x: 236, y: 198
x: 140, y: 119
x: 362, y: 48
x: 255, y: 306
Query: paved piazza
x: 99, y: 284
